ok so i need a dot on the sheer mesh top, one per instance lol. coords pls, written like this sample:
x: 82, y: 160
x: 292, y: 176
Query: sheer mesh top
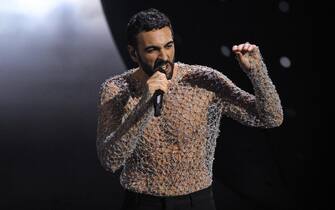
x: 173, y: 154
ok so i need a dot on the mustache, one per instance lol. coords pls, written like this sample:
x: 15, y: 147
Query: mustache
x: 160, y: 63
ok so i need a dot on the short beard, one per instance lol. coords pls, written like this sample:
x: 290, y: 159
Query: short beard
x: 159, y: 62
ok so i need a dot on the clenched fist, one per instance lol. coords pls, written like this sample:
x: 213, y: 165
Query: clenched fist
x: 248, y: 55
x: 157, y: 81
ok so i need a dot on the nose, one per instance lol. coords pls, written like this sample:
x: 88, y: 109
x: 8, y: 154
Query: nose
x: 163, y: 55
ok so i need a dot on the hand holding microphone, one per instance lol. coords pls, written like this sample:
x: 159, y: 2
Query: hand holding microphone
x: 157, y: 85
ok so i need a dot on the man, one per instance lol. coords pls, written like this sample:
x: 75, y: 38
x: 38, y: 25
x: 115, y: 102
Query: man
x: 167, y: 159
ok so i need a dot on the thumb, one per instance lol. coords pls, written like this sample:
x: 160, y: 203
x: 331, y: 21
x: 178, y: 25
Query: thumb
x: 239, y: 56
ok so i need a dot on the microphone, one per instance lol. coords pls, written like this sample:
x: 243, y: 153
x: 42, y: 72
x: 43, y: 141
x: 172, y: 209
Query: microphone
x: 158, y: 95
x: 158, y: 98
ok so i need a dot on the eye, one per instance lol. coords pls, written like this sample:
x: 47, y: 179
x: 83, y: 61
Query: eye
x: 169, y: 45
x: 150, y: 50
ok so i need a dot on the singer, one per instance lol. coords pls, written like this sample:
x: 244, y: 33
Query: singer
x: 166, y: 153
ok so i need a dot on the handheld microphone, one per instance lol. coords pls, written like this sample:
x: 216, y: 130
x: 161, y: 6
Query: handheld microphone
x: 158, y: 95
x: 158, y: 98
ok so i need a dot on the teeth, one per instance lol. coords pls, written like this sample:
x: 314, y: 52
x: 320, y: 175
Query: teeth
x: 164, y: 67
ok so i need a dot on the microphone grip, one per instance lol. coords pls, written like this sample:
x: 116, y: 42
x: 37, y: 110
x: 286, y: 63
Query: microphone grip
x: 158, y: 100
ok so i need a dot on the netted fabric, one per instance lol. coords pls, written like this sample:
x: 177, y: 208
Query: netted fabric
x: 173, y: 154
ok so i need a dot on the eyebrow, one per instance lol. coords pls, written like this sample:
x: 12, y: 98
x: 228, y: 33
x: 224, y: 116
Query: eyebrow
x: 170, y: 42
x: 157, y: 47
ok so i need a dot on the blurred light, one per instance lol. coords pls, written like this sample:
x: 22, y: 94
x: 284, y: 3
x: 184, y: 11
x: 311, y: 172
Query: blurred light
x: 33, y: 7
x: 284, y: 6
x: 225, y: 51
x: 23, y: 16
x: 285, y: 62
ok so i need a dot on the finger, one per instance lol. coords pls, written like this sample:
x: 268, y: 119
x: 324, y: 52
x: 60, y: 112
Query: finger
x: 234, y: 48
x: 245, y: 47
x: 160, y: 81
x: 159, y: 72
x: 156, y: 81
x: 159, y: 87
x: 163, y: 75
x: 164, y: 88
x: 155, y: 75
x: 250, y: 48
x: 239, y: 55
x: 240, y: 47
x: 255, y: 49
x: 159, y: 75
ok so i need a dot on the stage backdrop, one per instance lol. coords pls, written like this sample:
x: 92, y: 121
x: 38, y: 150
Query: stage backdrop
x: 55, y: 54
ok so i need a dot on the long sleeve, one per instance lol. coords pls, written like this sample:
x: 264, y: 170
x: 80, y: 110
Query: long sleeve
x: 117, y: 131
x: 173, y: 154
x: 263, y: 109
x: 260, y: 110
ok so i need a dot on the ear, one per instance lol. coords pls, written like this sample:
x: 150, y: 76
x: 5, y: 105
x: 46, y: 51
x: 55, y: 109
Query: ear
x: 133, y: 54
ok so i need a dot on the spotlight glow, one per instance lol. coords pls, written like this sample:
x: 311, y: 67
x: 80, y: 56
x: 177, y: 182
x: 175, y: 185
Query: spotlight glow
x: 285, y: 62
x: 36, y: 7
x: 225, y: 51
x: 284, y: 6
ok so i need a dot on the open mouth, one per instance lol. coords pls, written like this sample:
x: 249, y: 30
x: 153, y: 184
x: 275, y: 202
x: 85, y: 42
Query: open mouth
x: 165, y: 67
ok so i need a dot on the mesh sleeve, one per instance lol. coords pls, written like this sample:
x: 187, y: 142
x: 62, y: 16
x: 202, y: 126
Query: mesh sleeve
x: 117, y: 131
x: 260, y: 110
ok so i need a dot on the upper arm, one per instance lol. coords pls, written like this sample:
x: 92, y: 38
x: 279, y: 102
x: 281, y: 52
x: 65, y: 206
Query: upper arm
x: 216, y: 82
x: 110, y: 109
x: 230, y: 93
x: 236, y: 103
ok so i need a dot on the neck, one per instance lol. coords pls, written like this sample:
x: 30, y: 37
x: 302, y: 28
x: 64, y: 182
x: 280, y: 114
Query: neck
x: 141, y: 76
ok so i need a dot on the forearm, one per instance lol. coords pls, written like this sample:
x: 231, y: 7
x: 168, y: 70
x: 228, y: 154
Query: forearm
x: 268, y: 105
x: 117, y: 146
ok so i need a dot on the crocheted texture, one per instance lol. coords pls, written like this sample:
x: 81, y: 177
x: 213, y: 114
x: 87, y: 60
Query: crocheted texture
x: 173, y: 154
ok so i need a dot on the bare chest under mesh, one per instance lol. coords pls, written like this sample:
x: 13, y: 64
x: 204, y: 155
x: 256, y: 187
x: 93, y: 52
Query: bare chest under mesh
x: 179, y: 135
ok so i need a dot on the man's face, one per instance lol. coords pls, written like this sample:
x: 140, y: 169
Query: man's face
x: 154, y: 47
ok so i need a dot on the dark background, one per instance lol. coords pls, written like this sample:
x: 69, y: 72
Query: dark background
x: 51, y: 68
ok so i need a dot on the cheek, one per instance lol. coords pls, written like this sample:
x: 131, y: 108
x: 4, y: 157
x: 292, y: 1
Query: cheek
x: 172, y: 53
x: 150, y: 59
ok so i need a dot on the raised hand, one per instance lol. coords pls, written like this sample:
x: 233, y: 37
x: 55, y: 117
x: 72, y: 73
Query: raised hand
x: 248, y: 55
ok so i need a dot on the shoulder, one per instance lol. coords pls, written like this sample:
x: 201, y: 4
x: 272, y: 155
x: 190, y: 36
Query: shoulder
x: 114, y: 84
x: 200, y: 72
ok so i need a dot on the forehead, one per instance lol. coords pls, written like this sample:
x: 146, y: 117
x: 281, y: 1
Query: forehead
x: 157, y: 37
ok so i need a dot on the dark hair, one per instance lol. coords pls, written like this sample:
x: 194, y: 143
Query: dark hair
x: 146, y: 20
